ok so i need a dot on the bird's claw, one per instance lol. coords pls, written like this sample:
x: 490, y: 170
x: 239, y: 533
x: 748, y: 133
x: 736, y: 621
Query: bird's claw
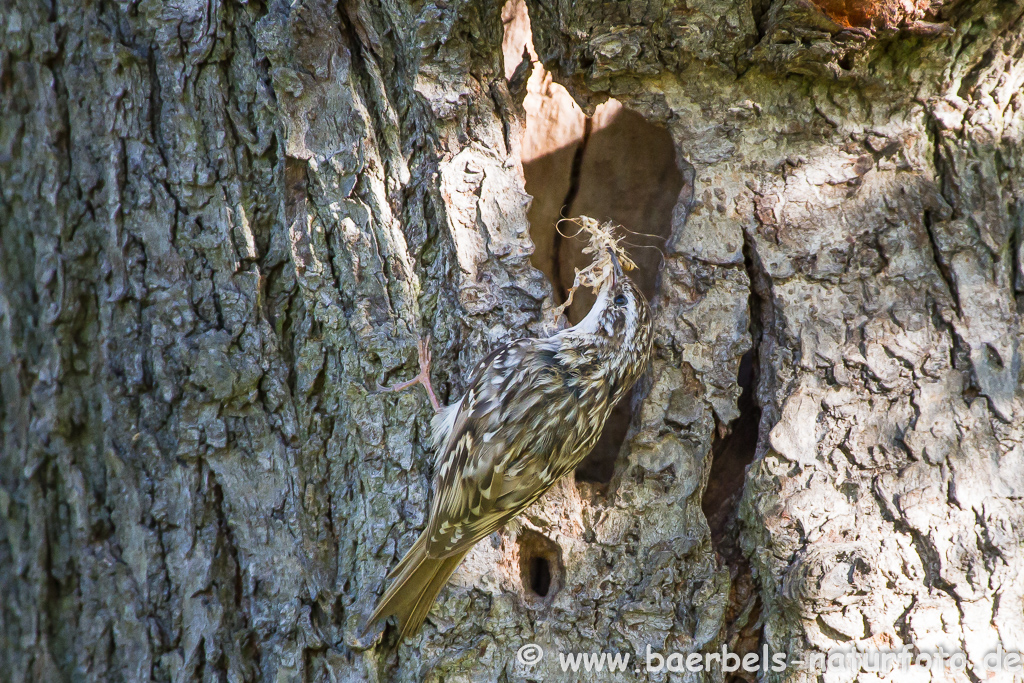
x: 423, y: 377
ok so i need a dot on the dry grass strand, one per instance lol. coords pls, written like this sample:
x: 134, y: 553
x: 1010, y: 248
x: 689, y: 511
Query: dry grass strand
x: 602, y: 243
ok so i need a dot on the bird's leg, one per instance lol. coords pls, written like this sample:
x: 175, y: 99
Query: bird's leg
x: 423, y: 347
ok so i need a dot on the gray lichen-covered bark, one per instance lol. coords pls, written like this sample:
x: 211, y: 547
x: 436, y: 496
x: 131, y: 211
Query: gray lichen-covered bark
x: 222, y: 225
x: 866, y: 181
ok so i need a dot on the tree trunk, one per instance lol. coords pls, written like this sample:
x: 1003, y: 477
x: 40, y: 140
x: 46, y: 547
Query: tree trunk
x: 223, y: 225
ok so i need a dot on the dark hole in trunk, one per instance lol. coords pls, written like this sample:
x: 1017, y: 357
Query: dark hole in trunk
x: 540, y: 576
x: 731, y: 455
x: 622, y: 169
x: 540, y: 566
x: 615, y: 165
x: 599, y: 466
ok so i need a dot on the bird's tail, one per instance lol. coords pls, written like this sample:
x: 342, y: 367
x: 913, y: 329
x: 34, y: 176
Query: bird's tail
x: 418, y: 580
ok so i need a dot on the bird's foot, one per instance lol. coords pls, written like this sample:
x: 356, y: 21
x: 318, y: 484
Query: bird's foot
x: 423, y: 348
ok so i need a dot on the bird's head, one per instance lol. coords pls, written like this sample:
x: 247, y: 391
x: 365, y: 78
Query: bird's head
x: 618, y: 326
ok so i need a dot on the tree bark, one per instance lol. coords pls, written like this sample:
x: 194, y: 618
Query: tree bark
x: 223, y: 225
x: 861, y: 166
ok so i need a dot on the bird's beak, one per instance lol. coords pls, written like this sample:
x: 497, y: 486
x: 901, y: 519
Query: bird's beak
x: 616, y: 267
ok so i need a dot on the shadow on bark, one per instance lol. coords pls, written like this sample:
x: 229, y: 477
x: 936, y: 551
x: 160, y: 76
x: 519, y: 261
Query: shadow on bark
x: 621, y: 168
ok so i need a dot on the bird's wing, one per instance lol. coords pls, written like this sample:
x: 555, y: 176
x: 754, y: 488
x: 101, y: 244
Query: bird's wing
x: 494, y: 459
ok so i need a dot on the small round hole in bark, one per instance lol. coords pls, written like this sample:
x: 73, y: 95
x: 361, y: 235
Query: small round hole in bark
x: 540, y: 565
x: 540, y: 576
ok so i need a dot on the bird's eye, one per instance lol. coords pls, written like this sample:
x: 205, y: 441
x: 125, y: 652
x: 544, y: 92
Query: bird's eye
x: 620, y: 300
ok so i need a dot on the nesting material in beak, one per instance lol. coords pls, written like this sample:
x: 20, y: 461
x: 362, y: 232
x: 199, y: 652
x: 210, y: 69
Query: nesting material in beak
x: 610, y: 259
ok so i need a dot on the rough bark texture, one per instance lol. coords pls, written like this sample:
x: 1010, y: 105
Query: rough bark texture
x: 864, y: 173
x: 223, y: 224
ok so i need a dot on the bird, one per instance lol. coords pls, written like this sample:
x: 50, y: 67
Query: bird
x: 533, y: 410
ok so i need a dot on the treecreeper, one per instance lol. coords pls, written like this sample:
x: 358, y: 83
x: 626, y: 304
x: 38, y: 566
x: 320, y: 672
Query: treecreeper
x: 533, y: 410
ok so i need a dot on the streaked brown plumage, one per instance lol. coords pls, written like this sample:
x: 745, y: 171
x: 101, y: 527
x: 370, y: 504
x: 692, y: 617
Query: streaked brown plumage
x: 534, y: 409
